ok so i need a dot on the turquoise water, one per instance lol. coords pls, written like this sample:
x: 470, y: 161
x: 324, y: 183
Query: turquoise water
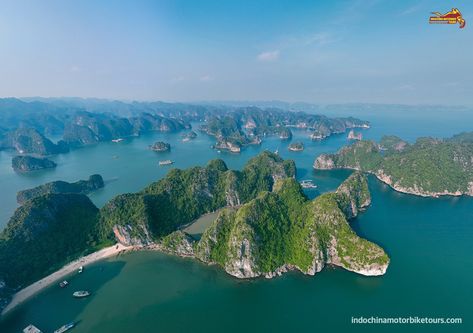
x: 428, y: 240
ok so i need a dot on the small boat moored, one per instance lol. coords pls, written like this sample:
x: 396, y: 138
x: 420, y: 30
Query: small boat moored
x: 65, y: 327
x: 63, y: 284
x: 81, y: 293
x: 308, y: 183
x: 165, y: 162
x: 81, y: 269
x: 31, y: 329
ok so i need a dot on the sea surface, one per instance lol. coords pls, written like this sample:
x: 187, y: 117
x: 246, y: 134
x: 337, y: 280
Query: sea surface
x: 428, y: 240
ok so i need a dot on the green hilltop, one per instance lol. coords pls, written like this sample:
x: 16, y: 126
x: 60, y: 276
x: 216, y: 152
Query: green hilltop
x: 428, y: 167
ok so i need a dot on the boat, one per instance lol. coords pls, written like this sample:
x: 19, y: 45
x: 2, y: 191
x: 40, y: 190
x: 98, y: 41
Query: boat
x: 81, y: 269
x: 166, y: 162
x: 308, y: 183
x: 81, y: 294
x: 63, y: 284
x: 117, y: 140
x: 65, y: 327
x: 31, y: 329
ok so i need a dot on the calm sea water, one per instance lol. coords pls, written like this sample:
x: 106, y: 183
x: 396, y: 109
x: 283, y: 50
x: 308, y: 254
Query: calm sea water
x: 428, y: 240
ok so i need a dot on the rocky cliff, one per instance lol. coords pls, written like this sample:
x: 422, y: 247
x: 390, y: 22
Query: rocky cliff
x: 30, y: 141
x: 282, y: 230
x: 184, y: 195
x: 429, y: 167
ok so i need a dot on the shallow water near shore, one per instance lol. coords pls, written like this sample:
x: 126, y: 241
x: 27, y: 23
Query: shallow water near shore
x: 428, y: 240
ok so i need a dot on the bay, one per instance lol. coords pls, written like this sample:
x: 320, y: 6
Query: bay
x: 428, y: 240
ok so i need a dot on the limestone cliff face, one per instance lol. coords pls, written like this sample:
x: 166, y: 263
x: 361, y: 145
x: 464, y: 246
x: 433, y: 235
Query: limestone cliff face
x: 183, y: 195
x: 324, y: 162
x: 282, y: 231
x: 429, y: 167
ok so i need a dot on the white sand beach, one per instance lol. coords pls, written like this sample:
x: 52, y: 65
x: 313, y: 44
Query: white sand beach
x: 36, y: 287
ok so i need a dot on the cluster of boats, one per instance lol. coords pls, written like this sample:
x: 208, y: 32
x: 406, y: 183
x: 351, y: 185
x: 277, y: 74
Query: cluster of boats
x: 66, y: 327
x: 308, y: 183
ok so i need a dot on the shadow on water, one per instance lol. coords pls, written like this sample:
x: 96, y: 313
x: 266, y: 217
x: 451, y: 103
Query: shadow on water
x: 55, y: 302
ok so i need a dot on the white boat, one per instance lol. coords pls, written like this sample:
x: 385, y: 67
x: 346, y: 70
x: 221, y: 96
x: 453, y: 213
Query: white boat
x: 166, y: 162
x: 81, y: 269
x: 31, y: 329
x: 117, y: 140
x: 63, y: 284
x: 81, y: 293
x: 308, y: 183
x: 65, y: 327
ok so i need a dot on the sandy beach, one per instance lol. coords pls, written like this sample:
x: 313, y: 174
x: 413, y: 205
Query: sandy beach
x: 36, y: 287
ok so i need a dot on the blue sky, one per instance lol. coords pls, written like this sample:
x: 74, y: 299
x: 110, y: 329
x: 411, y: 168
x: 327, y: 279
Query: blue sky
x: 380, y: 51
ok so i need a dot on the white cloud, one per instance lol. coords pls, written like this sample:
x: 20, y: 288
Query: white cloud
x: 206, y: 78
x: 320, y: 38
x: 406, y: 87
x: 412, y: 9
x: 74, y: 69
x: 268, y: 56
x: 177, y: 79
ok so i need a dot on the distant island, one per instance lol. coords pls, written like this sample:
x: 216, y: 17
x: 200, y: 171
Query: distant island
x: 25, y: 163
x: 429, y: 167
x: 296, y: 146
x: 189, y: 136
x: 160, y: 146
x: 266, y: 208
x: 285, y: 133
x: 248, y: 125
x: 80, y: 187
x: 31, y: 141
x: 82, y: 122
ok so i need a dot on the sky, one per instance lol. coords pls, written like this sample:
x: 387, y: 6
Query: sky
x: 357, y: 51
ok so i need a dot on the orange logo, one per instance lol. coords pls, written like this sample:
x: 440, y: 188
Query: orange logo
x: 452, y: 17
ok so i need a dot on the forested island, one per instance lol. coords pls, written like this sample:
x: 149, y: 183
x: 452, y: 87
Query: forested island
x: 25, y: 163
x: 272, y: 226
x: 429, y: 167
x: 80, y: 187
x: 160, y: 146
x: 26, y: 125
x: 296, y: 146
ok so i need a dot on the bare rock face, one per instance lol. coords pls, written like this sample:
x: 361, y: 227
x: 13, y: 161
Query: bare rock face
x: 178, y: 243
x: 324, y: 162
x: 129, y: 237
x: 242, y: 266
x: 260, y: 237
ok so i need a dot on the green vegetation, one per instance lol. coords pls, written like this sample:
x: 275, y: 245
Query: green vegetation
x: 160, y: 146
x: 283, y: 228
x: 270, y: 222
x: 427, y: 167
x: 44, y: 234
x: 80, y: 187
x: 29, y: 163
x: 296, y: 146
x: 31, y: 141
x: 184, y: 195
